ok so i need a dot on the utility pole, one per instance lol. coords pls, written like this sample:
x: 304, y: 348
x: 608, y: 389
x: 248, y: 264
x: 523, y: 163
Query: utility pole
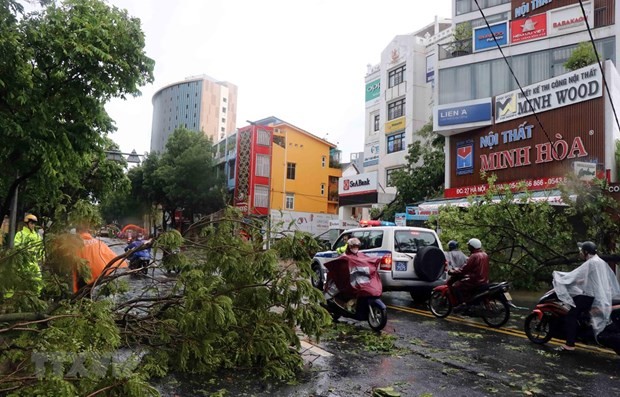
x: 13, y: 218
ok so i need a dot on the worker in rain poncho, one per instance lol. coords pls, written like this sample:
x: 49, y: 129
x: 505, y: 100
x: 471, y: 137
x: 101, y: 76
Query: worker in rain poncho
x: 591, y: 287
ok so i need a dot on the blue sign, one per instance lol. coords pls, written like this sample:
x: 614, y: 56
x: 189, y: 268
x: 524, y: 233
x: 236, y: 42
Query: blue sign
x: 483, y: 37
x: 465, y: 157
x: 464, y: 114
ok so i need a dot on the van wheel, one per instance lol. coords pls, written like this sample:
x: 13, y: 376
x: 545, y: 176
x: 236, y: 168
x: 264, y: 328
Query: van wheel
x: 429, y: 263
x: 317, y: 276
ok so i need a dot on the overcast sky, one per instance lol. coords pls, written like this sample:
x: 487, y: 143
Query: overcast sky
x: 303, y: 61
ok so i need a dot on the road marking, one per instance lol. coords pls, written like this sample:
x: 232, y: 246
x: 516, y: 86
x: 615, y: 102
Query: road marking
x: 505, y: 331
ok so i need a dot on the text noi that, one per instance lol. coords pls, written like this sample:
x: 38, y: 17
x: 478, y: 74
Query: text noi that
x: 545, y: 152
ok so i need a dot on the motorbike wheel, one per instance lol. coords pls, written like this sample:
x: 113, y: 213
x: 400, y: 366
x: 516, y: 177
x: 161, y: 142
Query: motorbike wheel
x: 495, y: 312
x: 439, y: 305
x: 377, y: 317
x: 537, y: 331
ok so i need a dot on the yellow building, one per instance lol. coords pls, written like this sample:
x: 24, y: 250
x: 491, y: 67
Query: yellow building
x: 304, y: 172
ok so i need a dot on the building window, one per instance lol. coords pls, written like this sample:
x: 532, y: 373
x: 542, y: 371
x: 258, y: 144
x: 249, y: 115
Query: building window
x: 376, y: 123
x: 396, y: 142
x: 388, y: 175
x: 322, y: 189
x: 396, y: 109
x: 223, y: 119
x: 262, y: 165
x: 323, y: 161
x: 290, y: 170
x: 261, y: 196
x: 222, y: 129
x: 263, y: 138
x: 396, y: 76
x: 223, y: 110
x: 290, y: 201
x: 224, y: 100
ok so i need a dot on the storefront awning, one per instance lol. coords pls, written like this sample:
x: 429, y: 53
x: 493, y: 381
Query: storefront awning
x: 553, y: 197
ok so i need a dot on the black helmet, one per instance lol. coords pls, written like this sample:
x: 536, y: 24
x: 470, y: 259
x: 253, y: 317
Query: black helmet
x: 452, y: 245
x: 587, y: 247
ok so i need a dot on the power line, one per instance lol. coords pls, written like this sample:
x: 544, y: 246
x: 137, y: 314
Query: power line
x: 600, y: 65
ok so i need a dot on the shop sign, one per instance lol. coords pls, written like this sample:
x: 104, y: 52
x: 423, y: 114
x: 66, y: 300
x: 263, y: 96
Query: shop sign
x: 469, y: 112
x: 395, y: 125
x: 357, y: 184
x: 529, y: 6
x: 430, y: 68
x: 567, y: 89
x: 400, y: 218
x: 534, y: 27
x: 531, y: 184
x: 485, y: 38
x: 569, y: 19
x: 371, y: 153
x: 585, y: 171
x: 373, y: 90
x: 465, y: 157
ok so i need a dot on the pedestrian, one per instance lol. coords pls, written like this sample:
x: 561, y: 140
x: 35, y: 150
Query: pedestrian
x: 455, y: 257
x: 31, y: 243
x: 590, y: 287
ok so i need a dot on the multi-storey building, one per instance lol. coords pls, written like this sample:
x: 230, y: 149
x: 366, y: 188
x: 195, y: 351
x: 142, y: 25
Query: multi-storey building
x: 544, y: 121
x: 198, y: 103
x: 399, y: 101
x: 280, y: 170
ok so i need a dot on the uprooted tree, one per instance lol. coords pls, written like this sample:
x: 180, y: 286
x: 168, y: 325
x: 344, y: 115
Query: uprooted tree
x: 526, y: 237
x: 232, y: 305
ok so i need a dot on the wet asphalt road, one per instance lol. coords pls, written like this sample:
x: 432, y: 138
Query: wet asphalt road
x: 457, y: 356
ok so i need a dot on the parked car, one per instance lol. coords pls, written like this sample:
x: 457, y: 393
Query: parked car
x: 412, y: 258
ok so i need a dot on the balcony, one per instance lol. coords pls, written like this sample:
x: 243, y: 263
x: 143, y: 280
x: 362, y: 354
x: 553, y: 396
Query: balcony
x: 457, y: 48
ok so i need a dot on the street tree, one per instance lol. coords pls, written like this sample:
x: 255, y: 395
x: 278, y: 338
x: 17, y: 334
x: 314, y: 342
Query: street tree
x: 233, y: 306
x: 527, y: 239
x: 59, y: 67
x: 183, y: 176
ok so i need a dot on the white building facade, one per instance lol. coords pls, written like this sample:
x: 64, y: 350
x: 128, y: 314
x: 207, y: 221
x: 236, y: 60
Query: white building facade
x: 399, y: 101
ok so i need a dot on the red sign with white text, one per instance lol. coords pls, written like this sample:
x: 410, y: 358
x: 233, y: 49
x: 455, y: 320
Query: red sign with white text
x: 478, y: 190
x: 524, y: 29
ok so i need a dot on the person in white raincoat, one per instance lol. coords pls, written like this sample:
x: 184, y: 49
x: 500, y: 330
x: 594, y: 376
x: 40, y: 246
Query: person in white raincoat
x: 590, y: 287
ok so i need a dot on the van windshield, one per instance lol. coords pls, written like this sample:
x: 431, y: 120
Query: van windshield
x: 410, y: 241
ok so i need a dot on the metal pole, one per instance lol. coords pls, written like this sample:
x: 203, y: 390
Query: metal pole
x: 13, y: 218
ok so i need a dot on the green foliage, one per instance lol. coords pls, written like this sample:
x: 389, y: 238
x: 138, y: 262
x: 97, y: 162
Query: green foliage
x: 59, y: 68
x: 233, y: 305
x: 581, y: 56
x: 182, y: 177
x: 520, y: 235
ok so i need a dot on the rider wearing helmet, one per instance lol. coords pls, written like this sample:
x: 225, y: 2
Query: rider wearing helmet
x: 455, y: 257
x: 353, y: 246
x: 474, y: 274
x: 591, y: 287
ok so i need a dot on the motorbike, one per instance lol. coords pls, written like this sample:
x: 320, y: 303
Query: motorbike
x: 140, y: 263
x: 547, y: 321
x: 492, y: 302
x: 357, y: 279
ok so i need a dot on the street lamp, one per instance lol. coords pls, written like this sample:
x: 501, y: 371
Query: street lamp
x: 117, y: 155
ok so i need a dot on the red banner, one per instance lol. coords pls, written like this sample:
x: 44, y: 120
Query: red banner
x: 524, y: 29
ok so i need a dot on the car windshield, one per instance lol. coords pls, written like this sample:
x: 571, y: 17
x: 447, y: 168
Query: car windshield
x: 410, y: 241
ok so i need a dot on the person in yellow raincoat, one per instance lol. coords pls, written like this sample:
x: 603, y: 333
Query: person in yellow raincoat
x: 98, y: 255
x: 28, y: 239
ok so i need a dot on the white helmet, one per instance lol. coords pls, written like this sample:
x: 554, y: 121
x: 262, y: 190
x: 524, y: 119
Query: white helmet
x: 475, y: 243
